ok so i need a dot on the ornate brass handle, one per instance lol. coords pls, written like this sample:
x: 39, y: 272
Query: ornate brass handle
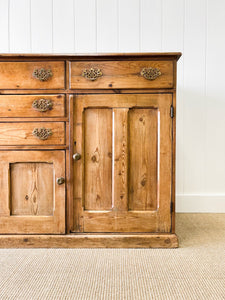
x: 42, y: 133
x: 76, y: 156
x: 60, y: 180
x: 42, y: 74
x: 91, y: 74
x: 42, y: 105
x: 150, y: 73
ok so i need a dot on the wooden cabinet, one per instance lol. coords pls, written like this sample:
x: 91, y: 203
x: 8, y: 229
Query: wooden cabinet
x: 87, y: 150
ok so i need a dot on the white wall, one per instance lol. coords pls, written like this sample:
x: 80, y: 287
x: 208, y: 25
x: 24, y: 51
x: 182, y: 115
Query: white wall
x: 194, y: 27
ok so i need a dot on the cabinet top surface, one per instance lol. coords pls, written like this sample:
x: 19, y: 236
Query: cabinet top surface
x: 163, y: 55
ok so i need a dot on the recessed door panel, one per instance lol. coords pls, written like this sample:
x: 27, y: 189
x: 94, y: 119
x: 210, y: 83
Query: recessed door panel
x: 32, y: 189
x: 143, y: 158
x: 97, y: 159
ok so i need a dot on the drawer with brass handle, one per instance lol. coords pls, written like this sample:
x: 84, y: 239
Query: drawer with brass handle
x: 121, y: 74
x: 32, y: 106
x: 32, y: 75
x: 32, y: 133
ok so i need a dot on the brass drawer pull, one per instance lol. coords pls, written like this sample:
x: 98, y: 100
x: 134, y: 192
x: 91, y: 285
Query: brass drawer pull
x: 42, y: 105
x: 91, y: 74
x: 42, y: 133
x: 42, y: 74
x: 60, y: 180
x: 150, y: 73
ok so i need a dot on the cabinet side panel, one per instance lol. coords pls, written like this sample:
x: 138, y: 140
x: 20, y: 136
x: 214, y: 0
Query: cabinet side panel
x: 143, y: 137
x: 98, y: 159
x: 31, y: 189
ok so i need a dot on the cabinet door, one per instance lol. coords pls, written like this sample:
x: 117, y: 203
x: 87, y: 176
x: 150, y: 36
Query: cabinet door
x: 123, y: 178
x: 32, y: 198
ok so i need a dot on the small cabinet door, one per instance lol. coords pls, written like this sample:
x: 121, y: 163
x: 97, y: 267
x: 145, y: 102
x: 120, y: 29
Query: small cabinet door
x: 123, y: 163
x: 32, y: 192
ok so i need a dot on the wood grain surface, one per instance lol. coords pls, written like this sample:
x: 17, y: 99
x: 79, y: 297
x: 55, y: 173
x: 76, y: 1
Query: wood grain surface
x: 22, y: 133
x: 143, y: 158
x: 20, y: 106
x: 90, y: 241
x: 142, y: 128
x: 32, y: 188
x: 119, y: 193
x: 17, y: 217
x: 19, y: 75
x: 97, y: 158
x: 120, y: 159
x: 121, y: 74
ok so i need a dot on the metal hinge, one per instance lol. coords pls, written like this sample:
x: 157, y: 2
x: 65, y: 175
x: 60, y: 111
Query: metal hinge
x: 171, y: 206
x: 171, y: 111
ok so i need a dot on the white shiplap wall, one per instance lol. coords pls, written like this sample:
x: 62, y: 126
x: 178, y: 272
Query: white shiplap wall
x: 194, y: 27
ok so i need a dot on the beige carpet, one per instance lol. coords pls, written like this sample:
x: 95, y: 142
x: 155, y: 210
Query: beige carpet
x: 194, y: 271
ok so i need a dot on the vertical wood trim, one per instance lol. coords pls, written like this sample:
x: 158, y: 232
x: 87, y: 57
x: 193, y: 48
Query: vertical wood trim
x: 215, y: 121
x: 150, y: 25
x: 120, y: 159
x: 8, y: 15
x: 30, y: 38
x: 78, y: 165
x: 85, y: 26
x: 165, y: 162
x: 173, y: 15
x: 96, y: 20
x: 70, y: 178
x: 4, y: 25
x: 162, y: 23
x: 173, y: 169
x: 19, y: 26
x: 129, y: 26
x: 5, y: 188
x: 172, y: 24
x: 41, y: 26
x: 194, y: 98
x: 63, y: 26
x: 106, y: 20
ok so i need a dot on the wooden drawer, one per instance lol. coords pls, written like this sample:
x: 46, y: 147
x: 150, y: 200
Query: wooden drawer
x: 34, y: 106
x: 32, y: 75
x: 121, y: 74
x: 32, y: 133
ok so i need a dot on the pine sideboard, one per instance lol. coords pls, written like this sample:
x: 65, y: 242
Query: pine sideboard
x: 87, y: 150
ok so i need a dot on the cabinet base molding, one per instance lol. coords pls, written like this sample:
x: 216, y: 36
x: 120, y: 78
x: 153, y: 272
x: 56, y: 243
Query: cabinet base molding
x: 90, y: 241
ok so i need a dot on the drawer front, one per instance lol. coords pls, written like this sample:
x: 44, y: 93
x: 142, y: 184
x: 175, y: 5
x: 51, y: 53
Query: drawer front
x: 32, y: 75
x: 32, y: 133
x: 121, y: 74
x: 34, y: 106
